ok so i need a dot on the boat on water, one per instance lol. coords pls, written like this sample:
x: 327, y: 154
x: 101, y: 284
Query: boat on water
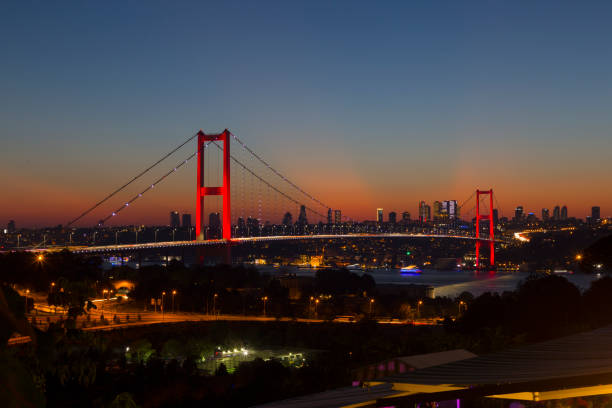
x: 410, y: 270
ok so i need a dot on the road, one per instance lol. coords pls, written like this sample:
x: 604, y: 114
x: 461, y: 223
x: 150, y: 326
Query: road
x: 43, y: 315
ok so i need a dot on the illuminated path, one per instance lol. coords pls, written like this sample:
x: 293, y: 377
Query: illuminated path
x: 235, y: 241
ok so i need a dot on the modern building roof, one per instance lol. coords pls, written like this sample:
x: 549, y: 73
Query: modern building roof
x: 577, y: 355
x: 340, y: 397
x: 421, y: 361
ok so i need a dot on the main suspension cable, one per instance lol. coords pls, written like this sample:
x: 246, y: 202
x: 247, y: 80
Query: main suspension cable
x: 137, y: 196
x: 276, y: 172
x: 142, y: 173
x: 270, y: 185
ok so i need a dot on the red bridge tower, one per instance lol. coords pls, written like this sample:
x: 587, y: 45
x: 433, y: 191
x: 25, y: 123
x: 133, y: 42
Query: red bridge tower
x: 224, y: 190
x: 491, y: 227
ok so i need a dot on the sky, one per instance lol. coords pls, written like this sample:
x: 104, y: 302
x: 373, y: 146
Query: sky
x: 362, y: 104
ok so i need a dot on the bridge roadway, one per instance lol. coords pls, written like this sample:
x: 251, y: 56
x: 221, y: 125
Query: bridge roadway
x: 236, y: 241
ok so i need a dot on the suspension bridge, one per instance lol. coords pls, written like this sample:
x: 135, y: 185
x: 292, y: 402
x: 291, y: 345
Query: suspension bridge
x: 244, y: 195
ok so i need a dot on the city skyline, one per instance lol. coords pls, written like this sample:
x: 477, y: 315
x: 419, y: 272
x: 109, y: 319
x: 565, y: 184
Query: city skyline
x: 437, y: 118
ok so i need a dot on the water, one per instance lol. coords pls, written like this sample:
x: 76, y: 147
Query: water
x: 452, y: 282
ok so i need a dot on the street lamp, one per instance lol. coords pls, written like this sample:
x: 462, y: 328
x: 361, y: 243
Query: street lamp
x: 310, y: 305
x: 156, y: 234
x: 265, y: 299
x: 371, y: 303
x: 26, y: 300
x: 462, y: 303
x: 162, y: 304
x: 116, y: 232
x: 173, y: 293
x: 419, y: 308
x: 215, y: 304
x: 316, y: 304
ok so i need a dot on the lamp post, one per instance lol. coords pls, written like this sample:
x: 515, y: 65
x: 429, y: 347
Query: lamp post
x: 18, y: 240
x: 173, y: 231
x: 215, y: 304
x: 116, y: 232
x: 419, y: 308
x: 265, y: 299
x: 156, y: 234
x: 173, y: 294
x: 162, y: 304
x: 26, y: 300
x: 462, y: 303
x: 310, y: 306
x: 316, y: 304
x: 371, y: 303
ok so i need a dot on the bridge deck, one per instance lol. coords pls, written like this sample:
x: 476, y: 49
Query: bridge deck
x: 212, y: 242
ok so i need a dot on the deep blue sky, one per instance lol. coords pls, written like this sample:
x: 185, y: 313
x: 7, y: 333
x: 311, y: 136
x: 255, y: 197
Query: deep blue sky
x: 365, y: 104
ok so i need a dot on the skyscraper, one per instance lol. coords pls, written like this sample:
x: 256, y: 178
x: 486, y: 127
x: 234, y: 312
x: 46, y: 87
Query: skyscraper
x: 214, y: 225
x: 424, y: 212
x: 595, y: 214
x: 556, y: 213
x: 10, y: 227
x: 337, y: 217
x: 175, y: 219
x: 518, y: 213
x: 450, y: 207
x: 495, y: 216
x: 564, y: 213
x: 287, y: 219
x: 302, y: 219
x: 437, y: 210
x: 186, y: 220
x: 406, y: 216
x: 329, y: 216
x: 392, y: 217
x: 379, y: 215
x: 545, y: 214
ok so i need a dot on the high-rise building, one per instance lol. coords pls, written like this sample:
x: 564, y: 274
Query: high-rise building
x: 495, y: 216
x: 556, y: 213
x: 392, y: 217
x: 379, y: 215
x: 186, y: 220
x: 302, y: 219
x: 518, y: 213
x: 253, y: 225
x: 424, y: 212
x: 287, y: 219
x: 564, y: 213
x: 10, y: 227
x: 406, y: 216
x: 214, y: 225
x: 329, y: 216
x: 175, y: 219
x: 595, y: 214
x: 337, y: 217
x: 436, y: 210
x: 241, y: 225
x: 450, y: 208
x: 545, y: 214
